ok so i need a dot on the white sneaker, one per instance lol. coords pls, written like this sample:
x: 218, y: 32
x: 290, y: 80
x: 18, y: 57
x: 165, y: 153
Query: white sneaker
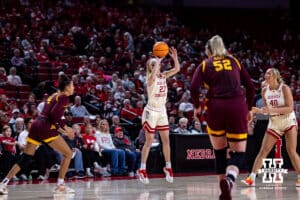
x: 15, y: 178
x: 23, y: 177
x: 41, y: 177
x: 62, y: 189
x: 89, y: 174
x: 3, y: 189
x: 131, y: 174
x: 55, y: 168
x: 99, y: 169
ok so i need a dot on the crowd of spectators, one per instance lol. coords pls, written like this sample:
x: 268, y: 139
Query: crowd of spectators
x: 104, y: 49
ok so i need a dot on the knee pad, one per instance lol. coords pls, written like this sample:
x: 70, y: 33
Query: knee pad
x: 25, y: 161
x: 220, y: 161
x: 236, y: 159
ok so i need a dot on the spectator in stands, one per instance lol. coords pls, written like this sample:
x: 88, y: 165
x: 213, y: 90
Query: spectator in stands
x: 21, y: 145
x: 182, y: 128
x: 33, y: 65
x: 116, y: 123
x: 132, y: 155
x: 108, y: 149
x: 18, y: 61
x: 128, y: 40
x: 172, y: 123
x: 68, y: 118
x: 4, y: 104
x: 186, y: 107
x: 18, y: 127
x: 32, y: 62
x: 3, y: 77
x: 90, y: 151
x: 13, y: 78
x: 15, y: 115
x: 112, y: 84
x: 141, y: 139
x: 128, y: 112
x: 8, y: 157
x: 76, y: 144
x: 77, y: 109
x: 32, y: 111
x: 97, y: 121
x: 42, y: 104
x: 4, y: 118
x: 31, y: 100
x: 119, y: 93
x: 126, y: 82
x: 196, y: 129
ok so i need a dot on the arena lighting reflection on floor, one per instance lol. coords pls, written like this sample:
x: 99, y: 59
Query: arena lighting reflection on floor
x: 184, y: 187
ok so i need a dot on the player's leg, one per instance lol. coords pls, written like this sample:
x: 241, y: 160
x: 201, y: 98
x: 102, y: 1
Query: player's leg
x: 164, y: 135
x: 23, y: 163
x: 59, y: 144
x: 163, y: 128
x: 267, y: 145
x: 149, y: 119
x: 219, y: 144
x: 291, y: 145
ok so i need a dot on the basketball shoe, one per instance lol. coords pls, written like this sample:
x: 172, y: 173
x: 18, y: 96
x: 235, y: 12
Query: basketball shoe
x: 225, y: 186
x: 3, y: 189
x: 62, y: 189
x: 249, y: 181
x: 169, y: 174
x: 143, y: 177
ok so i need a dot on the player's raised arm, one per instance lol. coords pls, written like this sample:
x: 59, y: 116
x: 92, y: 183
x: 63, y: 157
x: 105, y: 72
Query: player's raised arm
x: 176, y: 69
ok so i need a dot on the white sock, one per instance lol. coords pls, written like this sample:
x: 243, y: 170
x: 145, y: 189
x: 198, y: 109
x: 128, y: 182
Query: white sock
x: 253, y: 176
x: 232, y: 173
x: 5, y: 181
x: 88, y: 170
x: 143, y: 166
x: 298, y: 176
x: 168, y: 165
x: 60, y: 181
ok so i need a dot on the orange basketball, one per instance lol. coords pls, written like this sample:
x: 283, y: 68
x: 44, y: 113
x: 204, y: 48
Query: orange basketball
x: 160, y: 49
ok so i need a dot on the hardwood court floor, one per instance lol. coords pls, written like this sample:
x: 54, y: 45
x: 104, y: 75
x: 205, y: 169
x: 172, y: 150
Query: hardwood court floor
x: 183, y: 188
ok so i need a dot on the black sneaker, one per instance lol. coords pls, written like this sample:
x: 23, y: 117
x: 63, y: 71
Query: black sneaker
x: 225, y: 186
x: 70, y: 175
x: 80, y: 175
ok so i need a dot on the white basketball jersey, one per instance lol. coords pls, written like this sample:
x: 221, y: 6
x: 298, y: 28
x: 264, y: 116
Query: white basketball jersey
x: 274, y: 98
x: 157, y: 92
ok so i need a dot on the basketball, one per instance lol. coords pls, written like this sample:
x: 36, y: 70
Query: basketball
x: 160, y: 49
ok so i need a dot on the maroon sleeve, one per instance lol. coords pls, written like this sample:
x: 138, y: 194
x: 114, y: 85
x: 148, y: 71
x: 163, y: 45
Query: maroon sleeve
x: 197, y: 82
x: 58, y: 110
x: 248, y: 84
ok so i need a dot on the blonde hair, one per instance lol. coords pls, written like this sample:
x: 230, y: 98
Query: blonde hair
x: 150, y: 62
x: 215, y: 47
x: 277, y: 74
x: 106, y: 122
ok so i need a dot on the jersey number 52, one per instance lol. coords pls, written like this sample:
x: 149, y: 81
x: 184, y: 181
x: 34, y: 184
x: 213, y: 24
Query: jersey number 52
x: 222, y: 65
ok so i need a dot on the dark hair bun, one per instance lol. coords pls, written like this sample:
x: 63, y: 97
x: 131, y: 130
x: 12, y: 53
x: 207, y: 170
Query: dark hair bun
x: 63, y: 81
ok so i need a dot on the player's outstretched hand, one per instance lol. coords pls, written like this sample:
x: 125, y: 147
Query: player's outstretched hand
x: 173, y: 53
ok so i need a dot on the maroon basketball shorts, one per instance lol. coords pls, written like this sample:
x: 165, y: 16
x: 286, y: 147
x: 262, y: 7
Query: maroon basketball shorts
x: 227, y: 117
x: 42, y: 131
